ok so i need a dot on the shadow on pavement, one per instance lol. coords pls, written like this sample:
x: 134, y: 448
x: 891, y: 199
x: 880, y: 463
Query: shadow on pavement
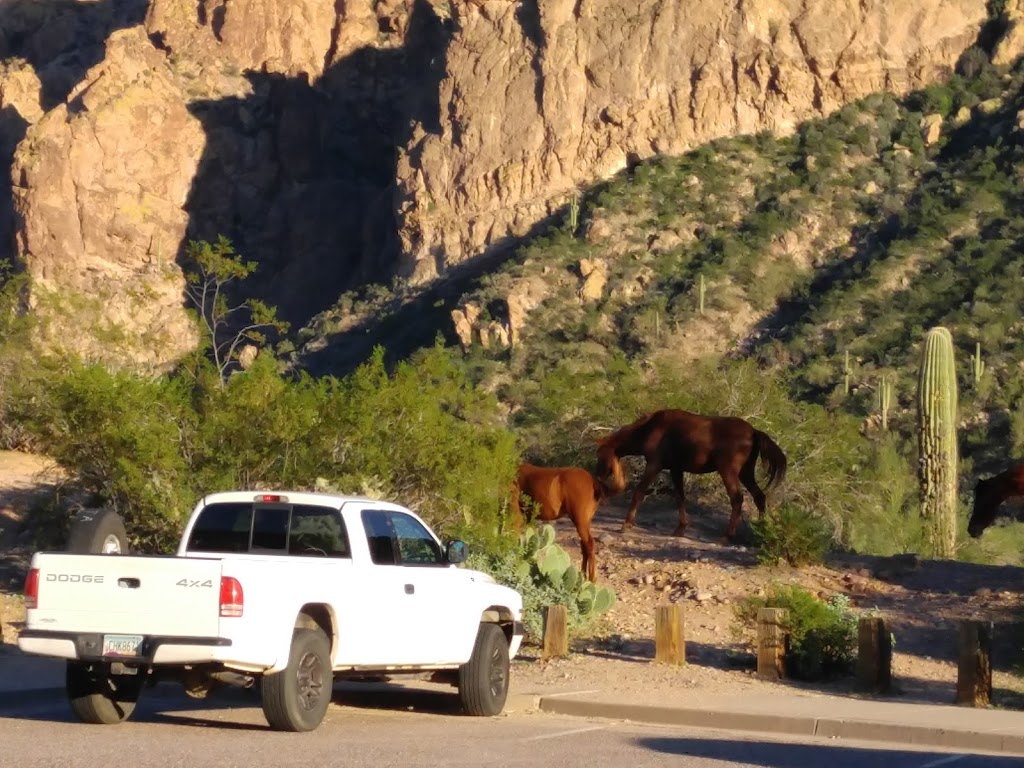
x: 769, y: 754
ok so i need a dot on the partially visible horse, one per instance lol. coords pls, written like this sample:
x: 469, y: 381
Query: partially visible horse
x: 990, y: 493
x: 562, y: 491
x: 680, y: 441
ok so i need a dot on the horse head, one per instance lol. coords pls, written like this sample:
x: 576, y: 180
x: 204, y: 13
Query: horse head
x: 609, y: 468
x: 986, y: 502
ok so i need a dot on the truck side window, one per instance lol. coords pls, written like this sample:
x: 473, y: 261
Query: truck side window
x: 317, y: 531
x: 269, y: 528
x: 415, y: 544
x: 379, y: 536
x: 222, y: 528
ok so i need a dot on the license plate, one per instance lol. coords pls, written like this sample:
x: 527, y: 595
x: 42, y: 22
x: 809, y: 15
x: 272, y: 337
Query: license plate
x: 122, y: 645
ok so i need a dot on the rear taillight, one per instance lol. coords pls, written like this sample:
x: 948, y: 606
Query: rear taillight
x: 232, y: 601
x: 32, y: 589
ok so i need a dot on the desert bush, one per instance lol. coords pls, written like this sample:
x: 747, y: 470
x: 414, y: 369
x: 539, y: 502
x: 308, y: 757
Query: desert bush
x: 16, y: 359
x: 792, y: 535
x: 122, y: 440
x: 822, y: 634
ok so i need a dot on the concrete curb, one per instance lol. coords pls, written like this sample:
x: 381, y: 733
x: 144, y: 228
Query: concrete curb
x: 793, y: 725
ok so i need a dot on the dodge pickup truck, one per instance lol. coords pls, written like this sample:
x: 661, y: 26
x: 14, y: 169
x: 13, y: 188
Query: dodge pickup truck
x: 287, y: 590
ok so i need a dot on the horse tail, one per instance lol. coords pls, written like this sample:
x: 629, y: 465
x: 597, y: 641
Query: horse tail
x: 773, y: 458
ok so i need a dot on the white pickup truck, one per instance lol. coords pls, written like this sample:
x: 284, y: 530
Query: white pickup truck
x: 286, y: 589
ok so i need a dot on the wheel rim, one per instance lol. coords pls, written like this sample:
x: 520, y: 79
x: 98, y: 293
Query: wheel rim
x: 497, y: 678
x: 111, y: 545
x: 311, y: 681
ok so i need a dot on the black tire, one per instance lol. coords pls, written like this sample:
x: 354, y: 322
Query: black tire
x: 98, y: 697
x: 97, y: 531
x: 483, y: 680
x: 297, y: 698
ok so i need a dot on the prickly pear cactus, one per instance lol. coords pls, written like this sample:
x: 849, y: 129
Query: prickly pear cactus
x: 938, y: 471
x: 544, y: 574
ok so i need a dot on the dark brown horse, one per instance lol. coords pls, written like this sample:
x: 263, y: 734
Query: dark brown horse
x: 680, y: 441
x: 562, y: 491
x: 990, y: 493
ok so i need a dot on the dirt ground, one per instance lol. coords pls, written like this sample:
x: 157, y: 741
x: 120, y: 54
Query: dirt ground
x: 647, y: 567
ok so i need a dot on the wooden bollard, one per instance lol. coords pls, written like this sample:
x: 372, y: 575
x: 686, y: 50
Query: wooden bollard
x: 771, y: 643
x: 974, y: 668
x: 556, y: 636
x: 874, y: 654
x: 669, y: 637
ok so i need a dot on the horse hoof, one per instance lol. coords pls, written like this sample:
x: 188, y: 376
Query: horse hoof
x: 725, y: 541
x: 680, y: 531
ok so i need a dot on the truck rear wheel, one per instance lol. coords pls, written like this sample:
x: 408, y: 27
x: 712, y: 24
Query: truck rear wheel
x: 98, y: 697
x: 296, y: 699
x: 483, y: 680
x: 97, y: 531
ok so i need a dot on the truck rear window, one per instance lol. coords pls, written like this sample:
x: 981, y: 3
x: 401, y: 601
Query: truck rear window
x: 298, y: 529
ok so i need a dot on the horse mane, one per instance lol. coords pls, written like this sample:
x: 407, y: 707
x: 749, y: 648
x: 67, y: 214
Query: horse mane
x: 623, y: 432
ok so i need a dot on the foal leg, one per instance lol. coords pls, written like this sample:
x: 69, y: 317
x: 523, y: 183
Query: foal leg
x: 650, y: 472
x: 587, y: 546
x: 677, y: 481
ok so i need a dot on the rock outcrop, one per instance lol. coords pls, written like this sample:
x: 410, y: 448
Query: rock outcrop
x: 544, y: 96
x: 113, y: 165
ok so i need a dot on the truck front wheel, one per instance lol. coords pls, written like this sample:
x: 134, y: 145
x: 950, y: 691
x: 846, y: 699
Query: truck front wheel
x: 483, y: 680
x: 98, y: 697
x: 296, y: 699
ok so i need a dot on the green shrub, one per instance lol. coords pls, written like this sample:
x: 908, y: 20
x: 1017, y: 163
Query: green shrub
x: 822, y: 635
x: 123, y: 440
x: 150, y: 447
x: 791, y: 534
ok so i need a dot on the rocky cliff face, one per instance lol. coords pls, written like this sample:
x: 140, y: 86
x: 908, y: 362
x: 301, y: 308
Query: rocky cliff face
x: 342, y: 143
x: 545, y: 96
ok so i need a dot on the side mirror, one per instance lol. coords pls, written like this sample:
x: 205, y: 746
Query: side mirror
x: 456, y: 551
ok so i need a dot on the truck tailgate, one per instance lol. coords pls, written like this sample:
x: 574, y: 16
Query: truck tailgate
x: 140, y: 595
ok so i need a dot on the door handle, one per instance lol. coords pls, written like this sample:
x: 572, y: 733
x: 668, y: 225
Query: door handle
x: 410, y: 588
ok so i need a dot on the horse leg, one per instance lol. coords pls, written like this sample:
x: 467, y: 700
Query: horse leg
x: 678, y: 480
x: 732, y: 487
x: 650, y: 472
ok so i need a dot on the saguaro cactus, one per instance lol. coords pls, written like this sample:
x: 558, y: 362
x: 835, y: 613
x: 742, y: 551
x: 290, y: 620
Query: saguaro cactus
x: 884, y: 399
x: 937, y: 440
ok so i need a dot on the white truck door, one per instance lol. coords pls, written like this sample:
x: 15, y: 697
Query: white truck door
x: 442, y: 616
x: 384, y: 634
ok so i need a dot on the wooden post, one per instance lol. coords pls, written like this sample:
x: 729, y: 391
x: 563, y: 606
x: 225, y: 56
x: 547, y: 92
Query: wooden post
x: 771, y: 643
x: 669, y: 637
x: 974, y: 671
x: 556, y: 636
x: 874, y: 654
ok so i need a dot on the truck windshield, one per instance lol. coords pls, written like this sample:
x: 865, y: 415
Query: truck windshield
x: 300, y: 529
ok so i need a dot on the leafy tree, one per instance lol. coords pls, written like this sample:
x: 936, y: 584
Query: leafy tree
x: 226, y: 327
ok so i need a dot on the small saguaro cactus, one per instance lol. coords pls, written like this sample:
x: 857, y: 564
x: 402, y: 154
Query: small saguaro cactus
x: 979, y: 364
x: 574, y: 214
x: 701, y: 288
x: 937, y: 439
x: 884, y: 399
x: 846, y: 373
